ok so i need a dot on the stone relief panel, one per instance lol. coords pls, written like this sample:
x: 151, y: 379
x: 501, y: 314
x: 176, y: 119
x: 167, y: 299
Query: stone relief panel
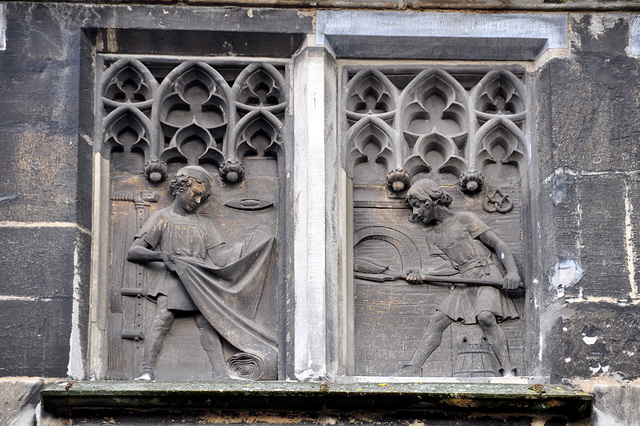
x: 196, y: 176
x: 438, y: 160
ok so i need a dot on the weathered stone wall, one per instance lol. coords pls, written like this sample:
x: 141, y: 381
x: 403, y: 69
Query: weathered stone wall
x: 585, y: 226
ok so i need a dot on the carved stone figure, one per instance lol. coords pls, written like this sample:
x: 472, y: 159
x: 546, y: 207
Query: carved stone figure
x: 465, y: 245
x: 219, y: 285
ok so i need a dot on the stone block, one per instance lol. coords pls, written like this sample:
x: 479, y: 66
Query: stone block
x: 617, y: 404
x: 37, y: 262
x: 35, y: 336
x: 38, y: 179
x: 594, y: 339
x: 587, y: 104
x: 602, y: 236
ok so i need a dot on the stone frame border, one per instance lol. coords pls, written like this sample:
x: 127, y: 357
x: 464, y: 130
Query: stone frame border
x: 373, y: 35
x: 441, y: 35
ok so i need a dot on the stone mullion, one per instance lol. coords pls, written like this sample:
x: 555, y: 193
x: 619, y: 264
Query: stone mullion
x: 316, y: 246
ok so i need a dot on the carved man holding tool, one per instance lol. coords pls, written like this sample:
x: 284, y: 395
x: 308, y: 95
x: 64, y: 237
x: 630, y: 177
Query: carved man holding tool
x: 477, y: 294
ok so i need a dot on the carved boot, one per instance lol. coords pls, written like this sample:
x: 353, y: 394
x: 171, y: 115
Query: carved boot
x: 409, y: 370
x: 509, y: 372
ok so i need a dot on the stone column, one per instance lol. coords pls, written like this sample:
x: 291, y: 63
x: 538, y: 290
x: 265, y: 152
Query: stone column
x: 317, y: 185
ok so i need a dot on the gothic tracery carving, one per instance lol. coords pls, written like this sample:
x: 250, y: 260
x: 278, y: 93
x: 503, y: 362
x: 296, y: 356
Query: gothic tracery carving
x: 193, y: 115
x: 435, y: 125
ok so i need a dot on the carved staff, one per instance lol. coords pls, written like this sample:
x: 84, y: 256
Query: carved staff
x: 433, y: 279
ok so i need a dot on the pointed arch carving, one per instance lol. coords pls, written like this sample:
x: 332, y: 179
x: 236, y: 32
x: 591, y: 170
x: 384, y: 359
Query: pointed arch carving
x: 439, y: 117
x: 504, y: 133
x: 126, y: 128
x: 258, y: 134
x: 370, y: 131
x: 128, y: 82
x: 192, y: 99
x: 371, y: 93
x: 260, y: 87
x: 434, y: 102
x: 445, y: 147
x: 499, y: 93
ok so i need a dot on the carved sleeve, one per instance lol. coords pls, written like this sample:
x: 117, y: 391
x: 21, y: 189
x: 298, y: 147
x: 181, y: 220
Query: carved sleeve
x: 474, y: 225
x: 151, y: 231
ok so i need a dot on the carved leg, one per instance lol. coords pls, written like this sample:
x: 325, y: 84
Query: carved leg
x: 428, y: 343
x: 210, y: 340
x: 497, y: 340
x: 160, y: 326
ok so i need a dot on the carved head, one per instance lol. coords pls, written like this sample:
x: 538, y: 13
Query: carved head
x: 423, y: 196
x: 191, y: 187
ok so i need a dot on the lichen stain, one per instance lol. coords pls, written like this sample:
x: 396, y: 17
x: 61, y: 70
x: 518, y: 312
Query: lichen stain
x: 245, y: 417
x: 463, y: 402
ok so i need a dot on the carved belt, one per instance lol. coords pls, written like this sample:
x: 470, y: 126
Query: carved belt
x: 476, y: 263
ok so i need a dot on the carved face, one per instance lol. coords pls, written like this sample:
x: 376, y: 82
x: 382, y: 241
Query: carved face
x: 191, y: 197
x: 422, y: 211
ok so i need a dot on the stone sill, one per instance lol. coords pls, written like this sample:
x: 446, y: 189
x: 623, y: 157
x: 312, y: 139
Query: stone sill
x: 93, y: 397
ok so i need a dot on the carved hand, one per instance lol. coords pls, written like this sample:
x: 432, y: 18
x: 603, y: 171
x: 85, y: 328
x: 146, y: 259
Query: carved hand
x: 511, y: 281
x: 413, y: 276
x: 168, y: 261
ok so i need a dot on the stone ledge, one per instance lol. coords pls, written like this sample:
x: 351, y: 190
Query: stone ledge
x: 82, y: 397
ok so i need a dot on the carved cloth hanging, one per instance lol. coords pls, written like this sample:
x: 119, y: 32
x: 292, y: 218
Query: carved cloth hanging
x: 229, y: 299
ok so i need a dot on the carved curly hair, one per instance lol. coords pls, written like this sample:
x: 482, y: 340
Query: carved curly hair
x: 187, y: 175
x: 427, y: 189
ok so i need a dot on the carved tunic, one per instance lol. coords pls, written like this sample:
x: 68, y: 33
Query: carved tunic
x: 189, y: 236
x: 457, y: 241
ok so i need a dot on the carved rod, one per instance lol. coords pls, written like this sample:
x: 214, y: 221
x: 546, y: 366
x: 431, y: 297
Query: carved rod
x: 433, y: 279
